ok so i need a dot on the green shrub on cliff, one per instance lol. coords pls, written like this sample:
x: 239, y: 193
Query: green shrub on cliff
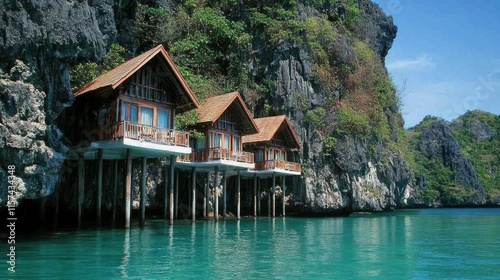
x: 85, y: 72
x: 478, y: 133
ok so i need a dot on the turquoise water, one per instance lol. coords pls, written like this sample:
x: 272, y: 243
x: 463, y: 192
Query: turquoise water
x: 409, y: 244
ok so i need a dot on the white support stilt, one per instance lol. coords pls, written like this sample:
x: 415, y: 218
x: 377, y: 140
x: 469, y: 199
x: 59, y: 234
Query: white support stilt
x: 224, y: 193
x: 193, y: 193
x: 274, y: 196
x: 171, y: 187
x: 238, y: 196
x: 216, y: 194
x: 166, y: 194
x: 255, y: 195
x: 142, y: 201
x: 283, y: 196
x: 128, y: 189
x: 176, y: 201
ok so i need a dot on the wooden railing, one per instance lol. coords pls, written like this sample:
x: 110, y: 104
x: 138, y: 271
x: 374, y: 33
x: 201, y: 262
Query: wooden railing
x: 280, y: 164
x: 210, y: 154
x: 147, y: 133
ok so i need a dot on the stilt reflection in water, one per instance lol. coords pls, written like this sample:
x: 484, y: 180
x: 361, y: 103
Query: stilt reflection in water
x: 126, y: 255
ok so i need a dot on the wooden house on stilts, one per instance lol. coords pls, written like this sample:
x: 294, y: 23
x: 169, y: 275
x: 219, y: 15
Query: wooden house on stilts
x: 129, y: 112
x: 223, y: 121
x: 275, y: 148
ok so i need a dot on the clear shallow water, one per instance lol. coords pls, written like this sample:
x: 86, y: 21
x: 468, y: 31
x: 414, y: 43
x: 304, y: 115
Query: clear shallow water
x: 410, y: 244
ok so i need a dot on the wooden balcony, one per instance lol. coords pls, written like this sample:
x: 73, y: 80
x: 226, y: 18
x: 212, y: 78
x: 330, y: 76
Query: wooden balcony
x: 211, y: 154
x: 148, y: 133
x: 278, y: 164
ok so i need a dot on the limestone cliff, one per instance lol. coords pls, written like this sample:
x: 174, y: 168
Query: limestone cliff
x: 457, y: 162
x: 38, y: 41
x: 301, y: 58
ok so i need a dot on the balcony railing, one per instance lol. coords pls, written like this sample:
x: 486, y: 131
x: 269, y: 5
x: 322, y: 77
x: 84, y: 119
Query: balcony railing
x: 210, y: 154
x: 279, y: 164
x: 147, y: 133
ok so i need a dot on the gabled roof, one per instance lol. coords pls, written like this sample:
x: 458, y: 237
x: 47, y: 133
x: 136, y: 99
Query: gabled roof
x: 116, y: 76
x: 268, y: 127
x: 213, y: 107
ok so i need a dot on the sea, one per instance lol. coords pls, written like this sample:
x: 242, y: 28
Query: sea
x: 404, y: 244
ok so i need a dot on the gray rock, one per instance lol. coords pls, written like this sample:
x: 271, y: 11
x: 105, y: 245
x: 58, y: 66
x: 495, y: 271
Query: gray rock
x: 437, y: 141
x: 47, y: 35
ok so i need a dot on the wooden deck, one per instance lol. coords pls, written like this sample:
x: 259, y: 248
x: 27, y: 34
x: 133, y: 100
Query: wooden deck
x: 203, y: 155
x: 148, y: 133
x: 277, y: 164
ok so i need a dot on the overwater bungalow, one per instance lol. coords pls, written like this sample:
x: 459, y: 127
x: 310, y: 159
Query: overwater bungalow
x: 126, y: 113
x: 223, y: 121
x: 275, y: 147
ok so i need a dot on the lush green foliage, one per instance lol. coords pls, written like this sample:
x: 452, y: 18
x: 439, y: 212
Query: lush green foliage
x: 186, y: 121
x: 85, y: 72
x: 483, y: 153
x: 150, y: 24
x: 114, y: 57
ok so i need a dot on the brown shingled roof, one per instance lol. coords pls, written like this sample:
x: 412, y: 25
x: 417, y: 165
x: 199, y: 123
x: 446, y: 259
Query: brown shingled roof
x: 213, y: 107
x: 268, y: 127
x: 116, y: 76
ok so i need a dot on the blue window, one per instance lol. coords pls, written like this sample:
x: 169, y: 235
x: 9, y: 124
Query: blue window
x: 163, y: 120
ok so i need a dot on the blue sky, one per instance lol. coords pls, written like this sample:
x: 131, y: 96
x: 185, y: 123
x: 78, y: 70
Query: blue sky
x: 448, y: 52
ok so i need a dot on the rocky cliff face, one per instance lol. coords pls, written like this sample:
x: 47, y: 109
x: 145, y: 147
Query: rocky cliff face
x: 446, y: 176
x: 47, y: 36
x: 348, y: 179
x: 438, y: 141
x: 38, y: 40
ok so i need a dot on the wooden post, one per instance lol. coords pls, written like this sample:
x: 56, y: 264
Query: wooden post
x: 258, y: 197
x: 142, y: 203
x: 255, y: 195
x: 283, y: 187
x: 165, y: 195
x: 99, y: 186
x: 193, y: 200
x: 268, y: 203
x: 238, y: 196
x: 274, y: 196
x: 176, y: 202
x: 81, y: 187
x: 128, y: 188
x: 115, y: 188
x: 188, y: 187
x: 224, y: 193
x: 205, y: 196
x: 171, y: 187
x: 132, y: 190
x: 216, y: 194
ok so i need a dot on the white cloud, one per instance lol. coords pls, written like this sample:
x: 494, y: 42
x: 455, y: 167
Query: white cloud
x: 419, y: 62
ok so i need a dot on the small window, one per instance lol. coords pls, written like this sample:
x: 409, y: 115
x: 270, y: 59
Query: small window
x: 124, y: 112
x: 128, y: 112
x: 215, y: 140
x: 226, y: 141
x: 200, y: 143
x: 147, y: 116
x: 259, y: 155
x: 163, y: 119
x: 236, y: 143
x: 133, y: 114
